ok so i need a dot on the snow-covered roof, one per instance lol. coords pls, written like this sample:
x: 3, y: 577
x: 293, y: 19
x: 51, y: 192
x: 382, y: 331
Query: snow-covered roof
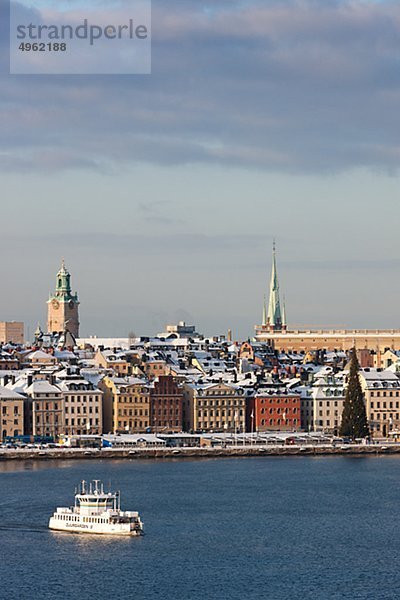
x: 7, y: 394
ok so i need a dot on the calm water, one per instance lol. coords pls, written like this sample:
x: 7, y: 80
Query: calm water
x: 293, y: 527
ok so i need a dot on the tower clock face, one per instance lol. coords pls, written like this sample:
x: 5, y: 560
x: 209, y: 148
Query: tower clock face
x: 55, y: 303
x: 71, y: 304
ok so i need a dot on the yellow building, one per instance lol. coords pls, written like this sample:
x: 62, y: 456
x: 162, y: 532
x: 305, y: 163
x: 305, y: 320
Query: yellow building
x: 126, y: 405
x: 11, y: 413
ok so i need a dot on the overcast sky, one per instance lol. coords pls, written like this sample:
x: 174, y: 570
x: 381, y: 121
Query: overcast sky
x: 163, y: 193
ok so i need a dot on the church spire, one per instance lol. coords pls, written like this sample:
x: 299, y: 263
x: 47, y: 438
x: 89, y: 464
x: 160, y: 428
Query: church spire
x: 264, y: 315
x: 284, y: 324
x: 274, y: 319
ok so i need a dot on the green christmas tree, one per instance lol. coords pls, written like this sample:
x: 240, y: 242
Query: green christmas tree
x: 354, y: 417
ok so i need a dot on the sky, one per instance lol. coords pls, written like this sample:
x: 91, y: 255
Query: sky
x: 164, y: 192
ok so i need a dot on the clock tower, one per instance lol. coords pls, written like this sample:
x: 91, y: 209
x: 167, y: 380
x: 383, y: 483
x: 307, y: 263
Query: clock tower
x: 62, y: 312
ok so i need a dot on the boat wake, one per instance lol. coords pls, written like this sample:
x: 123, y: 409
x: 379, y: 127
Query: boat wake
x: 23, y: 528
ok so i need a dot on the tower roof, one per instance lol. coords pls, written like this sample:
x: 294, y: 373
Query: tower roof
x: 63, y: 270
x: 63, y: 286
x: 274, y: 305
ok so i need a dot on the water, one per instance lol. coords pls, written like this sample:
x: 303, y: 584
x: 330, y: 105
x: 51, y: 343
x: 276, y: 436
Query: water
x: 262, y: 528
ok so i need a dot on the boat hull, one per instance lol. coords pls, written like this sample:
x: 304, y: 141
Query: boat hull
x: 91, y: 529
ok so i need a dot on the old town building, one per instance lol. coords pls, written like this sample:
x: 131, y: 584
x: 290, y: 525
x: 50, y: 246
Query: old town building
x: 274, y: 409
x: 322, y: 404
x: 126, y: 405
x: 11, y: 413
x: 214, y: 407
x: 46, y: 409
x: 83, y: 407
x: 166, y: 399
x: 382, y: 400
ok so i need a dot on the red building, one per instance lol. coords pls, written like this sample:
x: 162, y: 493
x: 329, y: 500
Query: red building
x: 166, y: 399
x: 273, y: 410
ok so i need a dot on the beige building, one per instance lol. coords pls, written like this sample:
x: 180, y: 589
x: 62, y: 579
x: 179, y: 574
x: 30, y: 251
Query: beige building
x: 47, y: 411
x: 382, y: 400
x: 11, y: 331
x: 108, y: 359
x: 309, y: 340
x: 126, y: 405
x: 155, y: 368
x: 39, y: 360
x: 11, y: 413
x: 83, y: 407
x: 322, y: 404
x: 214, y: 407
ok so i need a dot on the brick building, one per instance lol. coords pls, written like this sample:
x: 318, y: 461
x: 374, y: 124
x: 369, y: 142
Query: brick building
x: 273, y: 409
x: 166, y: 399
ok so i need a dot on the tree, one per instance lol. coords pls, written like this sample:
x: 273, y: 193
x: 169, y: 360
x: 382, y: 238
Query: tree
x: 354, y: 417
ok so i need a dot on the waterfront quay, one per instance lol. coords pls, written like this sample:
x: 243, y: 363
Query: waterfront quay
x: 243, y: 448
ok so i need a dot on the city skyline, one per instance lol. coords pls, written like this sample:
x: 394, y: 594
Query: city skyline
x: 179, y: 315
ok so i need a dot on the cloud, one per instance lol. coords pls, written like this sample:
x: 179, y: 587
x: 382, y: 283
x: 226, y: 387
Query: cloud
x: 301, y: 86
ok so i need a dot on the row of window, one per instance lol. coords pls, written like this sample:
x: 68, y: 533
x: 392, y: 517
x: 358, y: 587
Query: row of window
x: 83, y: 411
x: 4, y: 410
x: 291, y: 422
x: 132, y: 424
x: 218, y: 425
x: 279, y: 410
x: 384, y: 405
x: 136, y: 412
x: 133, y: 399
x: 384, y: 416
x: 210, y: 413
x: 277, y: 400
x: 385, y: 394
x: 91, y: 398
x: 225, y: 403
x: 71, y: 422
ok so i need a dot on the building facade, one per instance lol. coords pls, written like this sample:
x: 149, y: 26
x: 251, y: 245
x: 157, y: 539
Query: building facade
x: 166, y: 399
x: 83, y: 408
x: 11, y: 413
x: 214, y: 407
x: 126, y: 405
x: 274, y: 409
x: 47, y: 409
x: 382, y: 400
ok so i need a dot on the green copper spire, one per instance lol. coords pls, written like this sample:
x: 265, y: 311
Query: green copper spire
x: 63, y: 286
x: 284, y: 313
x: 264, y: 316
x: 63, y: 280
x: 274, y: 307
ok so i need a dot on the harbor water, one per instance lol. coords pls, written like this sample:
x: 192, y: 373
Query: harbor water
x: 262, y: 528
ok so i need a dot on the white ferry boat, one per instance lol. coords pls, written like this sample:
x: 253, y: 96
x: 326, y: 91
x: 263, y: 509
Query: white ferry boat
x: 96, y: 511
